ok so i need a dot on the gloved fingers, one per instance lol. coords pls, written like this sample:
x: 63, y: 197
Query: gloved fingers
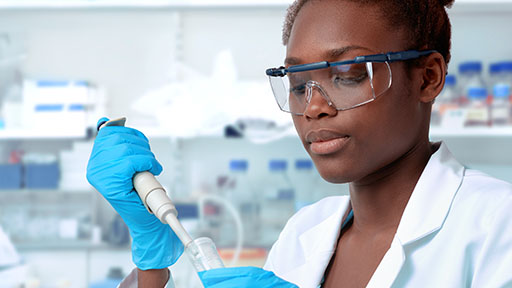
x: 108, y: 141
x: 129, y: 206
x: 109, y: 130
x: 111, y: 171
x: 234, y: 282
x: 248, y: 282
x: 160, y: 250
x: 141, y: 163
x: 242, y: 277
x: 118, y: 153
x: 229, y: 272
x: 101, y: 121
x: 223, y: 275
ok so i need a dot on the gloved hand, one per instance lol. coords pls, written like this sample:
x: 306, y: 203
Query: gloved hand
x: 119, y: 153
x: 247, y: 277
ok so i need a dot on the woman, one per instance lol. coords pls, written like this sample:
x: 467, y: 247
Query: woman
x: 415, y: 217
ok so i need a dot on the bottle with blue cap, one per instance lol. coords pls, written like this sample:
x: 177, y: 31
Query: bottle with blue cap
x: 474, y: 94
x: 501, y: 78
x: 446, y: 100
x: 477, y: 109
x: 278, y: 203
x: 470, y: 76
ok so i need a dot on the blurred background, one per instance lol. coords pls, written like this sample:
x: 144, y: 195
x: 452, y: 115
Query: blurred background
x: 190, y: 75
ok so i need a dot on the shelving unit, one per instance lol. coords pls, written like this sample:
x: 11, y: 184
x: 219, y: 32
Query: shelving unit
x: 485, y: 132
x: 47, y: 205
x: 20, y: 134
x: 68, y: 245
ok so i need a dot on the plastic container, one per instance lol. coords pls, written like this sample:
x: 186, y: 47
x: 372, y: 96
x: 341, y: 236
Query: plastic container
x: 501, y: 79
x: 446, y: 100
x: 203, y: 254
x: 477, y: 108
x: 278, y: 203
x: 42, y: 176
x: 11, y: 176
x: 304, y: 183
x: 470, y: 77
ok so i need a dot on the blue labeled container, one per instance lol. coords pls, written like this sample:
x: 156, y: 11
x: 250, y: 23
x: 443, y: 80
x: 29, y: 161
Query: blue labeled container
x: 11, y: 176
x: 42, y: 176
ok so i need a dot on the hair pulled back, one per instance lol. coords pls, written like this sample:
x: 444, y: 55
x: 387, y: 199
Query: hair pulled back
x: 426, y: 21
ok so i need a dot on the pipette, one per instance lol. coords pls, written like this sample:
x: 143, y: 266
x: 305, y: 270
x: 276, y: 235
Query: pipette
x: 201, y: 251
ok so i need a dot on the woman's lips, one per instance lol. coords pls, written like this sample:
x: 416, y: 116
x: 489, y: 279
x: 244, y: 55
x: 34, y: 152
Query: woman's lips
x: 328, y: 147
x: 323, y: 142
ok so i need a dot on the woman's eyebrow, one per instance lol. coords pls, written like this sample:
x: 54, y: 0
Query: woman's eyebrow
x: 337, y: 53
x: 328, y: 55
x: 292, y: 61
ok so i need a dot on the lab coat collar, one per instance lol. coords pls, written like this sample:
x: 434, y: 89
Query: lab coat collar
x: 424, y: 214
x: 312, y: 245
x: 317, y: 250
x: 430, y: 202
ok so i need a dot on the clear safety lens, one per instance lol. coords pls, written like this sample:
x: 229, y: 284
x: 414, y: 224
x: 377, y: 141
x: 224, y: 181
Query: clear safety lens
x: 343, y: 86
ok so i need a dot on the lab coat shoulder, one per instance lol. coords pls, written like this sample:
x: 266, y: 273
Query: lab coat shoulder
x: 485, y: 199
x: 492, y: 199
x: 473, y: 245
x: 308, y: 241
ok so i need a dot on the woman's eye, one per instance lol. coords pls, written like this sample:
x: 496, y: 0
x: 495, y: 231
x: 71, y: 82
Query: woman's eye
x: 349, y: 79
x: 298, y: 90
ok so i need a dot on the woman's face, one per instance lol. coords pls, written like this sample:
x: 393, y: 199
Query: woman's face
x: 354, y: 145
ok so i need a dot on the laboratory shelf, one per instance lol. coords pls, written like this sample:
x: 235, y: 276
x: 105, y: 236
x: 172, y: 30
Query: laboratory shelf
x: 44, y: 194
x: 20, y: 134
x: 66, y: 245
x: 479, y: 132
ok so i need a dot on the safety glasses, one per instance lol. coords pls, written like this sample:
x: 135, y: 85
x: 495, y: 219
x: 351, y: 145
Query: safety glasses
x: 343, y: 84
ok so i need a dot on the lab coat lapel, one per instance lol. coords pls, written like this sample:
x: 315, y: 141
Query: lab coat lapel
x: 330, y: 231
x: 389, y: 266
x: 424, y: 214
x: 318, y: 250
x: 432, y: 197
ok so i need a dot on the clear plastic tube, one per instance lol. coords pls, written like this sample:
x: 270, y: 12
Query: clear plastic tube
x: 203, y: 254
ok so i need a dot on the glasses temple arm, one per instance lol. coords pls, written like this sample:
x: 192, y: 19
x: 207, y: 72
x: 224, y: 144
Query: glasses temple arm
x: 392, y: 57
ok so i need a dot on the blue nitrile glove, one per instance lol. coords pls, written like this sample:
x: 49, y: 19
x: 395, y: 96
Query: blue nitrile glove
x: 247, y: 277
x: 119, y: 153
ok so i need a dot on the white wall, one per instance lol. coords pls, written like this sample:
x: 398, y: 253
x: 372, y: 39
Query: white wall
x: 127, y: 52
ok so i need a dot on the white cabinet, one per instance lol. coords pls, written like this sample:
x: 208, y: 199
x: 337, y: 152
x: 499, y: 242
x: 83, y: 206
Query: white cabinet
x: 74, y: 267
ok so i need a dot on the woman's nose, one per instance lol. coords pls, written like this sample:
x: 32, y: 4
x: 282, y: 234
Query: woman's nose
x: 319, y: 104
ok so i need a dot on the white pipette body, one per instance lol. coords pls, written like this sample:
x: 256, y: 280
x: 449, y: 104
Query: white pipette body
x: 157, y: 202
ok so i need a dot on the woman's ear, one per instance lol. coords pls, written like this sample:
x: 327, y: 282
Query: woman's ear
x: 433, y: 75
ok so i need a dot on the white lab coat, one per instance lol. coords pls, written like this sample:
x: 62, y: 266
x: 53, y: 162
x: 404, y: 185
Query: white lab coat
x: 456, y: 231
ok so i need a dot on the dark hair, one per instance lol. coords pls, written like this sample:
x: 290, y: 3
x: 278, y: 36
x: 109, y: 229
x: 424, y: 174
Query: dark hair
x: 426, y: 21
